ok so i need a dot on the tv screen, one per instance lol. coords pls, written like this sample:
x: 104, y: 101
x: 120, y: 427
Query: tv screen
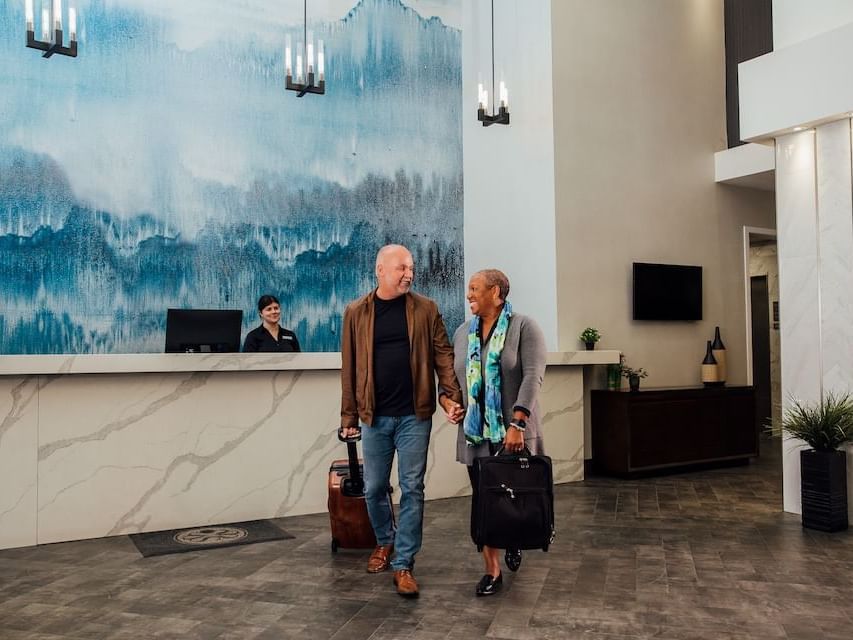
x: 203, y: 330
x: 667, y: 292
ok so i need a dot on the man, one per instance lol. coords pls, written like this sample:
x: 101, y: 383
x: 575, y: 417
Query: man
x: 393, y: 343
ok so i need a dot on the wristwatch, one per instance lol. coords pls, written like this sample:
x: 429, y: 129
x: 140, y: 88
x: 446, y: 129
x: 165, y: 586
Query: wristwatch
x: 521, y: 425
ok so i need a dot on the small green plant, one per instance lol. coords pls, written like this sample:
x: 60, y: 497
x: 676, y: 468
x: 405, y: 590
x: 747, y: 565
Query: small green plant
x: 590, y: 334
x: 627, y: 372
x: 823, y: 425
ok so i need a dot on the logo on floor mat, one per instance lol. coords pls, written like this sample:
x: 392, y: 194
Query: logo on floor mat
x: 210, y: 535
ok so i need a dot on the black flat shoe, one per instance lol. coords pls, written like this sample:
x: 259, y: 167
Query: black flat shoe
x: 512, y: 557
x: 488, y: 585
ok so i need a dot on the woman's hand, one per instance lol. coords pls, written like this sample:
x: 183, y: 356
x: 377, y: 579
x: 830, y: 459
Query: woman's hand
x: 514, y: 440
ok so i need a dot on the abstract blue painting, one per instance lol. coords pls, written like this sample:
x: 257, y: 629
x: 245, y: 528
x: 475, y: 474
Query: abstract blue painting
x: 167, y: 166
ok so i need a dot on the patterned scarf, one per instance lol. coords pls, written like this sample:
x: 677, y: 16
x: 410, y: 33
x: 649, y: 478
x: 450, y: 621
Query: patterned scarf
x: 492, y: 428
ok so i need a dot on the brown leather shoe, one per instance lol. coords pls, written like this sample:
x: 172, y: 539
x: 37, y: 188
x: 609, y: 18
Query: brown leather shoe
x: 380, y: 559
x: 406, y: 584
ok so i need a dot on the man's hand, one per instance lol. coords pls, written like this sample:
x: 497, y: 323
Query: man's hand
x: 350, y: 432
x: 453, y: 410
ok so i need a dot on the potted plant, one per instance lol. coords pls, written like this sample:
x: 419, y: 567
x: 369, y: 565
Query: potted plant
x: 589, y: 337
x: 634, y: 376
x: 824, y: 426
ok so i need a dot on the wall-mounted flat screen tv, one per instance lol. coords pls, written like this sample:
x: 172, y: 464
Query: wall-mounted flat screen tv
x: 667, y: 292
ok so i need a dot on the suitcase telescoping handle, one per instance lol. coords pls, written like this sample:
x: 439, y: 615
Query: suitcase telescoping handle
x: 356, y: 481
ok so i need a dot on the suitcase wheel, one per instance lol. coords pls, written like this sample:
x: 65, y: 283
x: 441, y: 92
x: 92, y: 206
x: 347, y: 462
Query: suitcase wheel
x: 334, y: 545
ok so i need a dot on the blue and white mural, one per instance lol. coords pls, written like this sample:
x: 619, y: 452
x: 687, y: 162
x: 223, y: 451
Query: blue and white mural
x: 166, y: 166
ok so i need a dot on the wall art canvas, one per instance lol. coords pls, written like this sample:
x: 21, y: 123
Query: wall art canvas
x: 166, y: 166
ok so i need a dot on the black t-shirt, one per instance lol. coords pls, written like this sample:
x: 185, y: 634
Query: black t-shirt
x: 392, y: 371
x: 260, y: 339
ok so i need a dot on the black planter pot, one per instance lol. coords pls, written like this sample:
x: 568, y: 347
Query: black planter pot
x: 824, y: 489
x: 634, y: 383
x: 590, y: 346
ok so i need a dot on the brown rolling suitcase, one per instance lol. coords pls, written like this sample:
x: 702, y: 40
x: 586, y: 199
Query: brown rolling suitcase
x: 347, y: 508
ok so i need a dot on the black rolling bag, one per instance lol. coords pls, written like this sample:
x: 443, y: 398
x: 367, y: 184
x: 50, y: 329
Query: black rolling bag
x: 513, y: 505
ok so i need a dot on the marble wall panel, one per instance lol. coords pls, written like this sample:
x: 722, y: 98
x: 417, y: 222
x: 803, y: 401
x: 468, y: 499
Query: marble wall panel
x: 18, y: 469
x: 151, y: 451
x: 796, y: 224
x: 835, y: 225
x: 143, y: 452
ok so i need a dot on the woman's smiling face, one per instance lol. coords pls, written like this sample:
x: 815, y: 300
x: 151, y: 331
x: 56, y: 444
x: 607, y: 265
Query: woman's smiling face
x: 271, y: 313
x: 481, y: 297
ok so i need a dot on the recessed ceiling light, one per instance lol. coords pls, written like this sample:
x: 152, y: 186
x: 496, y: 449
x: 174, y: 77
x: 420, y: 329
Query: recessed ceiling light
x: 798, y: 128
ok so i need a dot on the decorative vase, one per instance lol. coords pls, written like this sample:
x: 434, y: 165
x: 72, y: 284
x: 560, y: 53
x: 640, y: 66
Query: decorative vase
x: 710, y: 372
x: 718, y: 349
x: 634, y: 383
x: 823, y: 486
x: 590, y: 346
x: 614, y: 377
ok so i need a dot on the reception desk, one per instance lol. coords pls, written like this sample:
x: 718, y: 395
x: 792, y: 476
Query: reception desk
x: 101, y: 445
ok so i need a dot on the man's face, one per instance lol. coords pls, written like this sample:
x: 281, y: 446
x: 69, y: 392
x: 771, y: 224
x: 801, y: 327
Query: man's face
x: 395, y: 273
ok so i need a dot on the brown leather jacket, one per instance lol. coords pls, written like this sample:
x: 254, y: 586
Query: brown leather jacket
x: 430, y: 353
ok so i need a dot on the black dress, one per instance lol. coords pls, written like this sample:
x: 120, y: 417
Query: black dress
x: 261, y: 340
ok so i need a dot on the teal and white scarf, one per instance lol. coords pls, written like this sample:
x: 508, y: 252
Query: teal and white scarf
x: 485, y: 381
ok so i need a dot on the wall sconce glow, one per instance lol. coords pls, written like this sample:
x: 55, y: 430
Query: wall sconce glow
x: 51, y: 29
x: 311, y: 79
x: 502, y: 115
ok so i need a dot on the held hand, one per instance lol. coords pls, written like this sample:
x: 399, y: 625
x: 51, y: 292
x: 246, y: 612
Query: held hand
x: 514, y: 440
x: 453, y: 410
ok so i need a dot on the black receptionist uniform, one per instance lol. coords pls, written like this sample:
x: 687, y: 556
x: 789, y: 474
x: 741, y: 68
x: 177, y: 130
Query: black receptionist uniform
x: 261, y: 340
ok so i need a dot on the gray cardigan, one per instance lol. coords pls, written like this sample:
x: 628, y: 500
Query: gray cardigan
x: 522, y: 369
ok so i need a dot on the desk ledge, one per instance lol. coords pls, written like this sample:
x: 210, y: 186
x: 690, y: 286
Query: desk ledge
x: 184, y: 362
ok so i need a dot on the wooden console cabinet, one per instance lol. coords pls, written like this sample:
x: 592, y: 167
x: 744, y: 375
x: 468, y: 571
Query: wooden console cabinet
x: 640, y: 432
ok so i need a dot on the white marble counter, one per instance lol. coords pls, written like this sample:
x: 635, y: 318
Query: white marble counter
x: 150, y: 442
x: 188, y: 362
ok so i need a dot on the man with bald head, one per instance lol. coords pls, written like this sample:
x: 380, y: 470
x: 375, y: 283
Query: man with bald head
x: 393, y: 343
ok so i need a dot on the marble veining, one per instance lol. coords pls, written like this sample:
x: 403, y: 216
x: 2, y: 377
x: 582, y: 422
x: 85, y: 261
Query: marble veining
x: 18, y: 464
x: 202, y: 462
x: 95, y: 455
x: 195, y: 381
x: 21, y: 395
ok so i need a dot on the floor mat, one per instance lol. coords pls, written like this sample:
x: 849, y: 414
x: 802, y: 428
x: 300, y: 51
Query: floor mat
x: 214, y: 536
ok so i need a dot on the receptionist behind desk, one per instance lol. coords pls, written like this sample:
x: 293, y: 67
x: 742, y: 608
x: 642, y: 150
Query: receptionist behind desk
x: 270, y: 336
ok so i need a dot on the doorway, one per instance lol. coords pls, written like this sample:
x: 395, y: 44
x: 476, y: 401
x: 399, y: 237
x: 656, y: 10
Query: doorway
x: 760, y: 308
x: 761, y: 271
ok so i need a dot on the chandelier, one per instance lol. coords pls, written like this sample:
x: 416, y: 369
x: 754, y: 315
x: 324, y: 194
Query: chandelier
x: 502, y: 115
x: 309, y: 78
x: 51, y: 29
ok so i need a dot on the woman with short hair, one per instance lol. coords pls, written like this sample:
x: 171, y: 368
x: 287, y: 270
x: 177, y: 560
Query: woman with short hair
x: 499, y: 358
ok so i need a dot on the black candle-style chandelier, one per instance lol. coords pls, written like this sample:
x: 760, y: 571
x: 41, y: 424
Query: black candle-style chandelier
x: 502, y: 115
x: 305, y: 82
x: 51, y: 29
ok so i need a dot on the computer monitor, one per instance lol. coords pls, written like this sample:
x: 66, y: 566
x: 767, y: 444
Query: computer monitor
x: 203, y: 330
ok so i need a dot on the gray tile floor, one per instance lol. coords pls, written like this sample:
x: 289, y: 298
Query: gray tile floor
x: 682, y: 557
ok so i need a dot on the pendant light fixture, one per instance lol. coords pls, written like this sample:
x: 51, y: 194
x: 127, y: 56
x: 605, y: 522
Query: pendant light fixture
x: 502, y: 115
x: 309, y: 78
x: 51, y: 29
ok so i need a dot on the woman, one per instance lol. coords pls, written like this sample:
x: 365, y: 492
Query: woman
x: 270, y: 336
x: 500, y: 359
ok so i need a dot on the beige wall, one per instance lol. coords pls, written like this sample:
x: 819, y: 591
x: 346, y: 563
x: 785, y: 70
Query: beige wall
x: 639, y: 112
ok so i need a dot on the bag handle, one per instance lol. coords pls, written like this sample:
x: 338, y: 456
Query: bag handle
x: 524, y: 452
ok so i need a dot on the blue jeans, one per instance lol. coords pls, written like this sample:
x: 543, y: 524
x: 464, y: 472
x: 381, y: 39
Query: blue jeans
x: 409, y: 437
